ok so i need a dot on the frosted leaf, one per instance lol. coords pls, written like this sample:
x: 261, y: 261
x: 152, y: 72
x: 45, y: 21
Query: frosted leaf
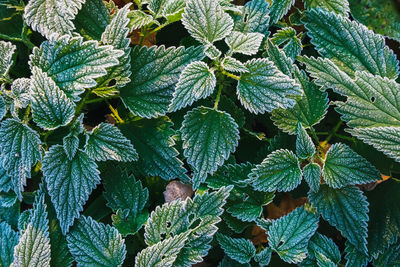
x: 92, y: 243
x: 206, y: 21
x: 196, y: 81
x: 209, y: 137
x: 289, y: 235
x: 92, y: 19
x: 344, y: 167
x: 247, y: 44
x: 70, y: 145
x: 20, y: 92
x: 211, y: 51
x: 291, y: 43
x: 74, y: 64
x: 51, y: 108
x: 312, y: 175
x: 239, y: 249
x: 340, y: 7
x: 52, y: 16
x: 6, y: 52
x: 355, y: 257
x: 69, y: 182
x: 279, y: 171
x: 106, y: 142
x: 8, y: 240
x: 138, y: 19
x: 351, y: 44
x: 280, y: 59
x: 234, y: 65
x: 155, y: 72
x: 321, y: 245
x: 279, y: 8
x: 305, y: 148
x: 254, y: 18
x: 265, y: 88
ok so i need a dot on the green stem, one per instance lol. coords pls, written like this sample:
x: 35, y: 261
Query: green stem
x: 230, y: 75
x: 314, y: 135
x: 114, y: 112
x: 333, y: 133
x: 100, y: 99
x: 218, y: 96
x: 27, y: 112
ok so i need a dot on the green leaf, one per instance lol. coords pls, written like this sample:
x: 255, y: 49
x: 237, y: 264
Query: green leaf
x: 116, y: 35
x: 384, y: 224
x: 232, y: 64
x: 309, y: 110
x: 365, y: 92
x: 5, y: 180
x: 150, y: 93
x: 70, y: 145
x: 344, y: 41
x: 340, y: 7
x: 228, y: 262
x: 239, y: 249
x: 346, y: 209
x: 92, y: 19
x: 279, y: 171
x: 312, y: 174
x: 264, y: 257
x: 20, y: 92
x: 173, y: 10
x: 69, y: 182
x: 206, y: 21
x: 279, y: 8
x: 128, y: 223
x: 209, y: 137
x: 344, y: 167
x: 106, y: 142
x: 51, y: 108
x: 196, y: 81
x: 385, y: 139
x: 20, y: 150
x: 94, y: 244
x: 390, y: 257
x: 6, y: 52
x: 62, y: 60
x: 153, y: 140
x: 163, y: 253
x: 33, y: 248
x: 247, y: 44
x: 354, y: 257
x: 52, y: 17
x: 138, y: 19
x: 291, y: 43
x: 281, y: 61
x: 8, y: 240
x: 321, y: 245
x: 254, y: 18
x: 305, y: 148
x: 3, y: 108
x: 265, y: 88
x: 289, y: 235
x: 212, y: 52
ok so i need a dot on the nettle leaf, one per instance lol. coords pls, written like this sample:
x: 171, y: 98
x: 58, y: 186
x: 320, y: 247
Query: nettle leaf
x: 209, y: 137
x: 254, y: 18
x: 321, y: 245
x: 20, y: 150
x: 279, y: 8
x: 344, y: 167
x: 289, y: 235
x: 69, y: 182
x: 33, y: 248
x: 155, y: 72
x: 279, y: 171
x: 291, y: 43
x: 384, y: 224
x: 309, y: 110
x: 163, y: 253
x: 346, y: 209
x: 106, y: 142
x: 385, y: 139
x: 5, y: 180
x: 340, y: 7
x: 390, y: 257
x: 239, y: 249
x: 116, y: 35
x: 280, y: 59
x: 138, y: 19
x: 265, y: 88
x: 247, y: 44
x: 6, y: 52
x: 354, y: 257
x: 264, y: 257
x: 70, y: 145
x: 351, y: 44
x: 8, y: 240
x: 51, y: 108
x: 211, y: 51
x: 206, y: 21
x: 371, y: 100
x: 305, y: 148
x: 232, y: 64
x: 74, y: 64
x: 52, y: 17
x: 173, y: 10
x: 312, y: 175
x: 92, y: 19
x: 196, y: 81
x: 94, y: 244
x: 20, y: 92
x: 3, y: 108
x: 153, y: 140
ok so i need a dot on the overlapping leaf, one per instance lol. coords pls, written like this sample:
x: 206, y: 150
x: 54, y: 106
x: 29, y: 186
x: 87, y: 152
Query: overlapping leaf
x: 239, y: 249
x: 247, y: 44
x: 92, y: 19
x: 279, y: 8
x: 6, y: 52
x: 8, y: 240
x: 340, y: 7
x: 304, y: 146
x: 254, y: 18
x: 312, y: 175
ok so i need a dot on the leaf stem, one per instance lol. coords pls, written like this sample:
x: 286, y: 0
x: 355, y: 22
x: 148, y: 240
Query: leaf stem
x: 114, y: 112
x: 230, y: 75
x: 26, y: 115
x: 218, y: 96
x: 333, y: 133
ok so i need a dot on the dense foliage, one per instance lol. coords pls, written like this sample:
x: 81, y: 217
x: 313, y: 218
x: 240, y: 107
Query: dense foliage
x: 273, y: 128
